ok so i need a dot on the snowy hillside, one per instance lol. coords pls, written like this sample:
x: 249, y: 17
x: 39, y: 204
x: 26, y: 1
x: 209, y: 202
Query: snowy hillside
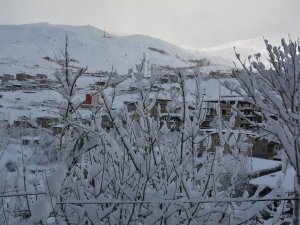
x: 243, y: 47
x: 22, y: 48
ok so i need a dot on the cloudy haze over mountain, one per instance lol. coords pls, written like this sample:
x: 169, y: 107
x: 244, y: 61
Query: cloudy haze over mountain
x: 190, y: 23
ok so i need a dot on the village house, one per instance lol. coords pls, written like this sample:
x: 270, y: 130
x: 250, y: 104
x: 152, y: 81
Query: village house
x: 23, y: 122
x: 130, y: 108
x: 15, y: 86
x: 168, y: 77
x: 7, y: 87
x: 200, y: 62
x: 57, y: 129
x: 219, y: 74
x: 23, y: 77
x: 46, y: 121
x: 156, y: 88
x: 172, y: 120
x: 7, y: 77
x: 261, y: 148
x: 127, y: 86
x: 159, y: 111
x: 105, y: 122
x: 250, y: 113
x: 100, y: 84
x: 160, y: 106
x: 4, y: 124
x: 29, y: 140
x: 91, y: 100
x: 41, y: 76
x: 28, y: 86
x: 41, y: 79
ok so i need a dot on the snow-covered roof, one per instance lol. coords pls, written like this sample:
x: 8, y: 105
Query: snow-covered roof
x: 30, y: 138
x: 239, y: 131
x: 119, y: 100
x: 213, y: 88
x: 258, y: 165
x: 253, y: 165
x: 126, y: 83
x: 58, y: 126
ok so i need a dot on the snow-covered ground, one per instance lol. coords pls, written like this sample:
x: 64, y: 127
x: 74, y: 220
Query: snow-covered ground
x: 17, y: 103
x: 258, y: 165
x: 253, y: 166
x: 273, y: 180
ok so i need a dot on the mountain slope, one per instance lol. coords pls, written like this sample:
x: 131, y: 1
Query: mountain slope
x: 22, y: 48
x: 244, y: 48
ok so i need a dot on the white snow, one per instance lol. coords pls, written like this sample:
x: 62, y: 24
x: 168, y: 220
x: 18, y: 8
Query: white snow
x: 272, y: 180
x: 254, y: 165
x: 86, y: 44
x: 261, y: 165
x: 213, y: 88
x: 244, y: 47
x: 54, y: 181
x: 16, y: 104
x: 40, y: 211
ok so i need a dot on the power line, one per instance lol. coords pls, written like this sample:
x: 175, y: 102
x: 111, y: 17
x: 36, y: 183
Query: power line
x: 158, y: 201
x: 21, y: 194
x: 179, y: 201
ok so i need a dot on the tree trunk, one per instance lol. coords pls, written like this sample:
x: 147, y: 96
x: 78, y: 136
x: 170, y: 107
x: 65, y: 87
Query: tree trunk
x: 296, y: 219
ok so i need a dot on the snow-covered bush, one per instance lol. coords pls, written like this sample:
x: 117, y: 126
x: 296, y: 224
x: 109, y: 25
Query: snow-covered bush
x: 275, y: 90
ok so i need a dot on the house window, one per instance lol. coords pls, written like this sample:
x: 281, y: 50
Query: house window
x: 131, y: 107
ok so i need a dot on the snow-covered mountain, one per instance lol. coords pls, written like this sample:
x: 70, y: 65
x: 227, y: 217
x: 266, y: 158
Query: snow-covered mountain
x: 244, y: 48
x: 23, y: 47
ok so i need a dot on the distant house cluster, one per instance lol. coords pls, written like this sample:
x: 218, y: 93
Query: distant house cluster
x: 248, y: 115
x: 47, y: 122
x: 165, y: 84
x: 24, y: 81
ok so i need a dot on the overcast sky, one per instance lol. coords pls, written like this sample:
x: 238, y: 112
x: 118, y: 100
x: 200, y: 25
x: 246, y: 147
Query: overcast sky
x: 188, y: 23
